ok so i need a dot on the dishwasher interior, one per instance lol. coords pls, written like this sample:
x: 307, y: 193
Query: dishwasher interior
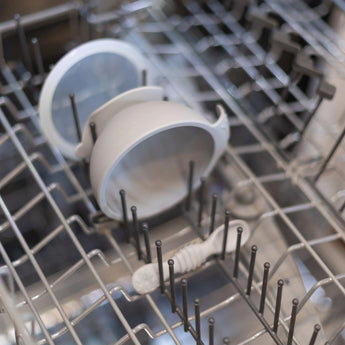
x: 277, y: 68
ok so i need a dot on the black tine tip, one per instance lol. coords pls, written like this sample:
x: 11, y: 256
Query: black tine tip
x: 93, y: 131
x: 172, y: 285
x: 292, y: 321
x: 251, y: 269
x: 197, y: 320
x: 237, y: 251
x: 184, y: 304
x: 280, y: 284
x: 160, y: 265
x: 210, y: 331
x: 264, y: 287
x: 317, y: 329
x: 145, y: 229
x: 213, y: 212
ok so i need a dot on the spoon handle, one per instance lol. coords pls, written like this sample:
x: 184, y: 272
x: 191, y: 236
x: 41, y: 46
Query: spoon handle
x: 191, y: 257
x: 146, y: 278
x: 194, y: 255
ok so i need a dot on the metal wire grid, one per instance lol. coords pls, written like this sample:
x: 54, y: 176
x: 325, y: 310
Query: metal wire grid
x: 215, y: 92
x: 196, y: 62
x: 236, y: 48
x: 309, y: 23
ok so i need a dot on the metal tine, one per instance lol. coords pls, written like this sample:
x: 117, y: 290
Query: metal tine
x: 265, y: 26
x: 284, y: 44
x: 225, y: 234
x: 172, y: 285
x: 330, y: 155
x: 184, y: 304
x: 226, y: 341
x: 317, y: 329
x: 23, y: 43
x: 17, y: 337
x: 213, y: 212
x: 342, y: 207
x: 292, y: 320
x: 190, y: 185
x: 38, y: 56
x: 325, y: 91
x: 33, y: 328
x: 302, y: 65
x: 124, y: 214
x: 2, y: 55
x: 237, y: 252
x: 93, y: 131
x: 136, y: 231
x: 201, y: 199
x: 144, y: 77
x: 280, y: 284
x: 294, y: 75
x: 70, y: 234
x: 197, y: 320
x: 254, y: 249
x: 210, y: 331
x: 160, y: 265
x: 75, y: 116
x: 264, y: 287
x: 145, y: 229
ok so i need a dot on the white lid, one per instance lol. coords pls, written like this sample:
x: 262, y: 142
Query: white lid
x: 94, y: 72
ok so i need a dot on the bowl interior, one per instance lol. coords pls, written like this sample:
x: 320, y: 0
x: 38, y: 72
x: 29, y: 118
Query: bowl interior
x: 94, y: 80
x: 154, y: 173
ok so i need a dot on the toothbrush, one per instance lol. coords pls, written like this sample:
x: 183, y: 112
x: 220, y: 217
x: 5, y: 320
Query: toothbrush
x: 146, y: 278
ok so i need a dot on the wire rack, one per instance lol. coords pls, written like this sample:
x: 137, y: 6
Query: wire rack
x: 66, y: 268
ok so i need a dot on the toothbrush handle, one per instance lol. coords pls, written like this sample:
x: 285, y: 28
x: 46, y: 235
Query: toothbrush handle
x: 191, y: 257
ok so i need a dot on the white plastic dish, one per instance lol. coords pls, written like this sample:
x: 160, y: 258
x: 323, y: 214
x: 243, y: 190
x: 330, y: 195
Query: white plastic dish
x: 94, y: 72
x: 107, y: 111
x: 145, y: 149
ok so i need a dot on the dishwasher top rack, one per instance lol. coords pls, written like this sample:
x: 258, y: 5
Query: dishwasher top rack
x: 206, y: 53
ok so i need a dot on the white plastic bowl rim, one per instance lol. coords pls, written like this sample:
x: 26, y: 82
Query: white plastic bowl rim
x: 79, y: 53
x: 219, y: 131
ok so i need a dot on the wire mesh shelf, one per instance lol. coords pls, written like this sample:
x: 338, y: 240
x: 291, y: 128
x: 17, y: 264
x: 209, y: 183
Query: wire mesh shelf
x: 66, y: 268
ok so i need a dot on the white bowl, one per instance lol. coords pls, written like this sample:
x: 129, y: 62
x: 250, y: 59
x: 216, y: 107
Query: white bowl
x: 145, y: 150
x: 94, y: 72
x: 107, y: 111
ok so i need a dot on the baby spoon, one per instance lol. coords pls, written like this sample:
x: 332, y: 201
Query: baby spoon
x: 146, y: 278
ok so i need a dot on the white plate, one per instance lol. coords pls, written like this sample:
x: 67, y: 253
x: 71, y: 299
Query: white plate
x: 95, y: 72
